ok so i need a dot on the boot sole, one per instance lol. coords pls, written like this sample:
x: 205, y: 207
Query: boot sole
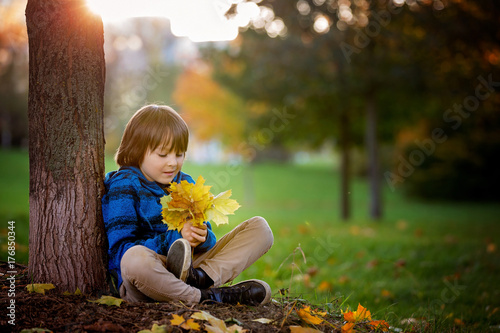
x: 179, y: 259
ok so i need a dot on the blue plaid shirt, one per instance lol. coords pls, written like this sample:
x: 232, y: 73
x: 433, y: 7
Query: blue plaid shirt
x: 132, y: 216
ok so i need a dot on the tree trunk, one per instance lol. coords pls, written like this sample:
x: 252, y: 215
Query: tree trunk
x: 67, y: 243
x: 345, y: 165
x: 373, y: 163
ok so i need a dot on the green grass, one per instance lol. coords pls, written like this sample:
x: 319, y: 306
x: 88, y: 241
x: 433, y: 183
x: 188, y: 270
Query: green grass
x: 431, y: 262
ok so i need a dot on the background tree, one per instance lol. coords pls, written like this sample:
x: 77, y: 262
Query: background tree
x: 13, y: 76
x: 65, y: 109
x: 464, y: 38
x: 211, y: 111
x: 310, y: 71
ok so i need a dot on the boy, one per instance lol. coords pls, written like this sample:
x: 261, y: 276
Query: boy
x: 152, y: 262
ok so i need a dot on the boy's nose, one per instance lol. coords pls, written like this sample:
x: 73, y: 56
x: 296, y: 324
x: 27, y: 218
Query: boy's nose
x: 171, y: 160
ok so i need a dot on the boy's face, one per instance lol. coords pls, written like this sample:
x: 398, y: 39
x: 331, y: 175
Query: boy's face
x: 161, y: 166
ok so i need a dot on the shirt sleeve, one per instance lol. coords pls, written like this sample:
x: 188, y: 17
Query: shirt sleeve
x: 125, y: 228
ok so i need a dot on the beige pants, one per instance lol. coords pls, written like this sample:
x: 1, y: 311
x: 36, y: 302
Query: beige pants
x: 145, y: 277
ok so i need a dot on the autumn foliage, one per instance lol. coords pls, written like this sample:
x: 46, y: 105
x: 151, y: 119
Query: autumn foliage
x: 361, y: 315
x: 212, y: 111
x: 195, y: 203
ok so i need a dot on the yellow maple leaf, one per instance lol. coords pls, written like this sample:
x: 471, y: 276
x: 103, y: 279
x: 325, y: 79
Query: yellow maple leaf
x: 39, y: 287
x: 307, y: 315
x: 194, y: 203
x: 202, y: 315
x: 356, y: 316
x: 188, y: 324
x: 216, y: 325
x: 108, y: 300
x: 221, y: 207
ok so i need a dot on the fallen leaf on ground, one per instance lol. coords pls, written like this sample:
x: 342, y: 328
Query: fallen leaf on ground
x: 216, y: 325
x: 76, y: 293
x: 386, y: 293
x: 309, y: 316
x: 108, y: 300
x: 39, y: 287
x: 356, y: 316
x: 348, y: 328
x: 324, y: 285
x: 263, y: 320
x: 202, y: 315
x: 187, y: 324
x: 300, y: 329
x: 379, y: 324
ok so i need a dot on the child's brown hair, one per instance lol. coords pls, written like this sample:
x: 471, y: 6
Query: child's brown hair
x: 151, y: 126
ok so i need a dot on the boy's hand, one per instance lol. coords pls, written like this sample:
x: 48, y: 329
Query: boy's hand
x: 194, y: 235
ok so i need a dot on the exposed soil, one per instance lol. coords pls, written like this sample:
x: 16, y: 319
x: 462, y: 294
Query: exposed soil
x: 74, y: 313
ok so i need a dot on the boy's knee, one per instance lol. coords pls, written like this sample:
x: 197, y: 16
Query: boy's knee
x: 265, y: 232
x: 136, y: 259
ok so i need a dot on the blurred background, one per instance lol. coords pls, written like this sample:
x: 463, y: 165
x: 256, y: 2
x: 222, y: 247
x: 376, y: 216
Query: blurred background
x: 366, y: 132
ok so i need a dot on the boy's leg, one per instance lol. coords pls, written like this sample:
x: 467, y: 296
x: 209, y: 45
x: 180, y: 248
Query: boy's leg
x: 236, y: 251
x: 145, y: 278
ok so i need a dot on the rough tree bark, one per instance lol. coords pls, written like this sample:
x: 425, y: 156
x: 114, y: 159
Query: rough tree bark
x: 67, y: 244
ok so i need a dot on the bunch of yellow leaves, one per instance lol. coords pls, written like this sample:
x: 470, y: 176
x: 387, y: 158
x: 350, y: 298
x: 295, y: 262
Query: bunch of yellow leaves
x: 360, y: 315
x: 194, y: 203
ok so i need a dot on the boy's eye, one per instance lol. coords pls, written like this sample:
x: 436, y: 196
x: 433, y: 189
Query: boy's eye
x: 180, y: 155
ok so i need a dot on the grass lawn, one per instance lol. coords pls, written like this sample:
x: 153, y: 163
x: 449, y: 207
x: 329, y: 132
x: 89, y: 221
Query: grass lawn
x: 434, y: 265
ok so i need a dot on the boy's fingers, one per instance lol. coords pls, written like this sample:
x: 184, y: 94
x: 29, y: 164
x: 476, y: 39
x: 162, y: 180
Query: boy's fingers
x: 198, y: 237
x: 199, y: 231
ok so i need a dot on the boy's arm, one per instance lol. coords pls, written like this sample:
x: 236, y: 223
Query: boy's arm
x: 123, y: 227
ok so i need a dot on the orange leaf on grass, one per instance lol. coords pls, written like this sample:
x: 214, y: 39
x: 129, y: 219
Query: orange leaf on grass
x: 324, y: 285
x: 348, y: 328
x: 300, y: 329
x: 379, y: 324
x: 386, y: 293
x: 359, y: 315
x: 309, y: 316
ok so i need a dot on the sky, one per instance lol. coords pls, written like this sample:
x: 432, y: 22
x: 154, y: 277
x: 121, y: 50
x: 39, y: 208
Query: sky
x: 198, y: 20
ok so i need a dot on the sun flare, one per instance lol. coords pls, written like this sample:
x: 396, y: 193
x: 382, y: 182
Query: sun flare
x: 199, y: 20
